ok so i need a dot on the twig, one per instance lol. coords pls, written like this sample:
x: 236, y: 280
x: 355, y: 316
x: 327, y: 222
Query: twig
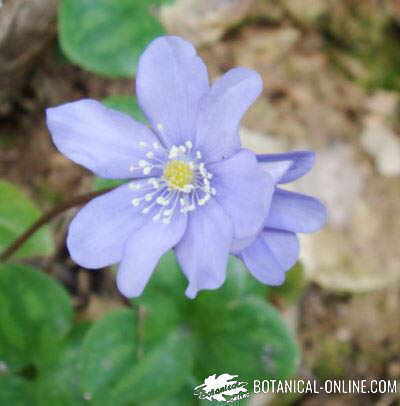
x: 76, y: 201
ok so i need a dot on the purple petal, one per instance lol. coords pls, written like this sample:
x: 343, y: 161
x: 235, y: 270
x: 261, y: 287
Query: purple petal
x: 295, y: 212
x: 98, y: 138
x: 271, y: 255
x: 284, y: 245
x: 170, y: 81
x: 143, y: 251
x: 239, y: 245
x: 204, y: 249
x: 221, y: 111
x: 301, y: 163
x: 98, y: 233
x: 276, y: 169
x: 244, y: 191
x: 262, y: 264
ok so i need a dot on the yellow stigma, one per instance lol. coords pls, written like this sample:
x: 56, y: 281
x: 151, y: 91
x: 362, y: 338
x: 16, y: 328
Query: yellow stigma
x: 178, y: 174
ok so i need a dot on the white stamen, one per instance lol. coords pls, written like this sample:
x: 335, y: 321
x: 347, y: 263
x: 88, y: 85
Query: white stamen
x: 135, y: 186
x: 159, y: 191
x: 187, y: 188
x: 174, y: 151
x: 162, y: 201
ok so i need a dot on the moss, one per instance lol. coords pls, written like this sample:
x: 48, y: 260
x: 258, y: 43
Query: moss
x: 333, y: 359
x: 369, y: 34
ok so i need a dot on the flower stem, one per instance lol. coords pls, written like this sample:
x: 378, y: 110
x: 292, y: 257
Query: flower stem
x: 47, y: 217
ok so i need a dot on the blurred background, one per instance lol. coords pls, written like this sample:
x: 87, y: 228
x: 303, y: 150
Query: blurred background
x: 331, y: 71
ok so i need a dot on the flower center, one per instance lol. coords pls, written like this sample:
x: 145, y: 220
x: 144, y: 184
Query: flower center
x: 179, y: 181
x: 178, y: 174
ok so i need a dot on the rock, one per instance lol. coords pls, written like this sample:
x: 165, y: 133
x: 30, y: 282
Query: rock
x: 260, y: 143
x: 383, y: 103
x: 266, y: 46
x: 337, y: 179
x: 307, y: 104
x: 205, y: 21
x: 306, y: 11
x: 383, y: 144
x: 362, y: 254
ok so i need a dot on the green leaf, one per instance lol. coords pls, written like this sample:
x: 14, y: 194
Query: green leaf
x: 184, y: 397
x: 114, y: 372
x: 100, y: 183
x: 159, y: 315
x: 35, y: 315
x: 109, y: 351
x: 239, y: 283
x: 246, y: 337
x: 161, y: 373
x: 14, y: 391
x: 126, y: 104
x: 236, y: 330
x: 162, y: 306
x: 17, y: 213
x: 168, y: 278
x: 107, y: 36
x: 58, y: 385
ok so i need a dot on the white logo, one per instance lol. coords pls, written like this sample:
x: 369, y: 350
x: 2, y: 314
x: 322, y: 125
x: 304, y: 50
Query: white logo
x: 223, y: 388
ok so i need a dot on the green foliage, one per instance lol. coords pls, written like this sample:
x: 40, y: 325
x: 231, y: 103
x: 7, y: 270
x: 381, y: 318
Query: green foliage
x: 58, y: 384
x: 235, y: 329
x: 112, y: 362
x: 35, y: 316
x: 17, y: 213
x: 247, y: 337
x: 107, y: 36
x: 366, y: 35
x: 100, y: 183
x: 161, y: 373
x: 126, y: 104
x: 14, y: 391
x: 108, y: 352
x: 153, y: 353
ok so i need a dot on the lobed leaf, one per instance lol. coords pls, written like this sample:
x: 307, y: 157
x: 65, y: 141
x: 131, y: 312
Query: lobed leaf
x: 17, y: 214
x: 35, y: 316
x: 107, y: 36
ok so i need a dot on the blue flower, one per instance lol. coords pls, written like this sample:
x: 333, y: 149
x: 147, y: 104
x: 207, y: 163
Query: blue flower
x: 192, y: 187
x: 276, y: 248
